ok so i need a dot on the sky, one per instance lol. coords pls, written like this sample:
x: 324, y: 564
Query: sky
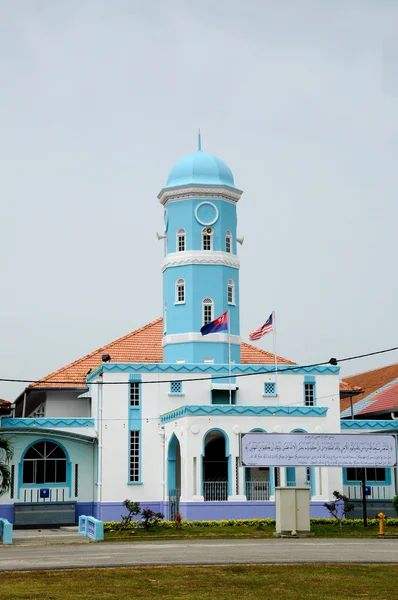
x: 98, y: 100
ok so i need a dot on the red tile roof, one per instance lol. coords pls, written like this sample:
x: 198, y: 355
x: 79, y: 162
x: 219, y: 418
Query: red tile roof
x: 4, y: 404
x: 370, y: 381
x: 346, y: 388
x: 143, y: 345
x: 384, y: 401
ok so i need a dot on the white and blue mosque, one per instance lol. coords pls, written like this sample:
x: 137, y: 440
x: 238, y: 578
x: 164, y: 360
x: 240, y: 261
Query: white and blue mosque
x: 156, y: 416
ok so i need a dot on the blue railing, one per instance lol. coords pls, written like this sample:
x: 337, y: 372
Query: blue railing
x: 92, y: 528
x: 6, y: 531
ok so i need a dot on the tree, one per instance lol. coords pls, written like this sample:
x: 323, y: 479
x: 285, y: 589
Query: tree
x: 6, y: 454
x: 339, y: 507
x: 133, y: 509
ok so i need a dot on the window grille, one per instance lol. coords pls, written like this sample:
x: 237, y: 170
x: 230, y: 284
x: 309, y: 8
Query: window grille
x: 231, y: 290
x: 372, y: 474
x: 76, y: 481
x: 134, y: 456
x: 175, y: 387
x: 135, y: 388
x: 180, y: 291
x: 181, y: 240
x: 12, y: 478
x: 237, y: 475
x: 44, y: 462
x: 228, y: 240
x: 207, y: 310
x: 309, y: 394
x: 269, y: 388
x: 206, y: 240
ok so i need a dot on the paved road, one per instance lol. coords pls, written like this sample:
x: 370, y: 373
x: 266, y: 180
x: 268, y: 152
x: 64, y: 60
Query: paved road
x: 22, y: 558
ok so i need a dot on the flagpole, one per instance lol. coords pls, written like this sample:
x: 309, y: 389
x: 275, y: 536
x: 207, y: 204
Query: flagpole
x: 229, y: 356
x: 275, y: 353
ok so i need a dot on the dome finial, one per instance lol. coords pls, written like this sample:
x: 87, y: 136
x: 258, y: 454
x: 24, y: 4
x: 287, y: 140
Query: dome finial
x: 199, y: 141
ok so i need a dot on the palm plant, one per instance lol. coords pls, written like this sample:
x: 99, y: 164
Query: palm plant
x: 6, y: 454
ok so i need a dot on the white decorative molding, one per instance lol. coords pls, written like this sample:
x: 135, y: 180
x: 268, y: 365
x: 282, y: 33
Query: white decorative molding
x: 215, y: 212
x: 195, y: 429
x: 219, y: 192
x: 182, y: 338
x: 236, y: 429
x: 201, y: 257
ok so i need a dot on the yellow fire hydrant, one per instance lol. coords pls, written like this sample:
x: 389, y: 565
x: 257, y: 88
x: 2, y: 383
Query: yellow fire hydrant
x: 381, y: 516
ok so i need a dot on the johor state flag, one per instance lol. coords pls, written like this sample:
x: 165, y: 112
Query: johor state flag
x: 219, y: 324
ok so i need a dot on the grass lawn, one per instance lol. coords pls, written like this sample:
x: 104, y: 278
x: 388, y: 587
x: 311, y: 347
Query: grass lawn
x: 293, y: 582
x: 240, y: 532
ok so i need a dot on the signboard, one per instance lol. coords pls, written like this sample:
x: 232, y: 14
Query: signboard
x: 317, y: 450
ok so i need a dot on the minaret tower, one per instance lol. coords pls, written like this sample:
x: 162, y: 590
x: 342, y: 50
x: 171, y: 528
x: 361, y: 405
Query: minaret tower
x: 201, y: 266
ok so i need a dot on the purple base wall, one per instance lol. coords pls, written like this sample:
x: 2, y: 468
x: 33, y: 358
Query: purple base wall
x: 7, y: 512
x: 206, y: 511
x: 192, y: 511
x: 112, y: 511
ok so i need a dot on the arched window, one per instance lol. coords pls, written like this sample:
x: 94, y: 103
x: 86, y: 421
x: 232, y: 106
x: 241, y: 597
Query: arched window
x: 44, y: 462
x: 207, y: 238
x: 231, y: 291
x: 180, y: 246
x: 228, y: 242
x: 180, y: 291
x: 207, y: 307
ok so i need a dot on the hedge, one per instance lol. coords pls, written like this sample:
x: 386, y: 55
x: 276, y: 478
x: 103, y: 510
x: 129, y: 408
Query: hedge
x: 109, y: 525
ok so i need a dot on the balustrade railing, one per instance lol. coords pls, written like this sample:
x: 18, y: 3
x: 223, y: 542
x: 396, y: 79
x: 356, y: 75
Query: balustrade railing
x: 377, y: 492
x: 257, y: 491
x: 215, y: 491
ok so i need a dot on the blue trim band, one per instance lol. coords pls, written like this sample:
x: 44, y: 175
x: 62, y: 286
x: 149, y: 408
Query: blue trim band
x: 209, y: 368
x: 243, y: 411
x: 60, y: 422
x: 374, y: 424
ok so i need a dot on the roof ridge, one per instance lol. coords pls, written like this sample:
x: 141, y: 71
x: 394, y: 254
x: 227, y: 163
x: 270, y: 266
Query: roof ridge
x: 86, y: 356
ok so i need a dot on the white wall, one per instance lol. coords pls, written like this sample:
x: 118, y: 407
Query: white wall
x: 66, y: 404
x: 114, y: 432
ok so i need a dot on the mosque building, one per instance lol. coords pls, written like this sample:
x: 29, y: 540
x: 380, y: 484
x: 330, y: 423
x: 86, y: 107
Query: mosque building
x: 156, y: 415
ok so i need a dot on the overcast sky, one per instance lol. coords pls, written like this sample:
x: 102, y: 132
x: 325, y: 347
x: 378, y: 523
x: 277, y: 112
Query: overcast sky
x: 99, y: 98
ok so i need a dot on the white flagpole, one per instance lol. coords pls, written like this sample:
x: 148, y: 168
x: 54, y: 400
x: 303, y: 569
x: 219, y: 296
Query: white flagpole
x: 275, y: 352
x: 229, y: 356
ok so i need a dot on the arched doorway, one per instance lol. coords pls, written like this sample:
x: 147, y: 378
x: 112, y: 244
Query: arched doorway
x: 174, y: 476
x: 216, y: 466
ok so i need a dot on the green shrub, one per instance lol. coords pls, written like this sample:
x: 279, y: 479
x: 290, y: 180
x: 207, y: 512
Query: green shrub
x: 395, y: 503
x: 109, y: 525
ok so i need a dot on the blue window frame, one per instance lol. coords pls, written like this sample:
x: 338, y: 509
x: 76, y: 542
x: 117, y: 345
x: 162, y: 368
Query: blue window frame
x: 309, y: 390
x: 373, y: 475
x: 175, y: 388
x: 134, y: 475
x: 135, y: 431
x: 270, y: 388
x: 135, y: 393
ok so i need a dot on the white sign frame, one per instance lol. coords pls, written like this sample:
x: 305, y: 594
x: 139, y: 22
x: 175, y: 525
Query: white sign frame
x: 317, y: 450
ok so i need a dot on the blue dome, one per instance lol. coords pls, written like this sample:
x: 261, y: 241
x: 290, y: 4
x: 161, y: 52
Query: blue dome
x: 200, y: 168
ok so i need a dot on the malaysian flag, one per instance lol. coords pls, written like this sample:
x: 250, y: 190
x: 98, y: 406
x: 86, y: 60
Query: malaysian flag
x: 256, y: 334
